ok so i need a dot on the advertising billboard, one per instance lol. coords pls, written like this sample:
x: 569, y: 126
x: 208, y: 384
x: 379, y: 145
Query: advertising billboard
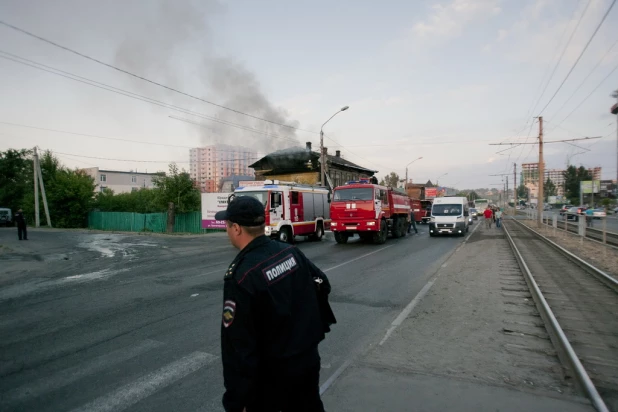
x: 431, y: 192
x: 590, y: 186
x: 211, y: 204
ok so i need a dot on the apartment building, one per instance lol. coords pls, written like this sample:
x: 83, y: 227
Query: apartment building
x: 209, y: 165
x: 119, y: 181
x: 556, y: 176
x: 530, y: 177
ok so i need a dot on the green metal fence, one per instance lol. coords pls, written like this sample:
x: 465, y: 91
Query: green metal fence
x: 149, y: 222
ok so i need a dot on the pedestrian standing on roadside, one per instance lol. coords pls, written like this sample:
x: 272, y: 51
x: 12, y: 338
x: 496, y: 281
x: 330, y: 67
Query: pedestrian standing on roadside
x: 22, y: 232
x: 498, y: 216
x: 589, y: 217
x: 412, y: 223
x: 488, y: 217
x: 275, y: 313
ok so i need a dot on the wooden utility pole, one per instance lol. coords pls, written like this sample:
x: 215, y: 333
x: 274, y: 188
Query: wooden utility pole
x: 539, y: 217
x: 38, y: 166
x: 35, y: 161
x: 515, y: 196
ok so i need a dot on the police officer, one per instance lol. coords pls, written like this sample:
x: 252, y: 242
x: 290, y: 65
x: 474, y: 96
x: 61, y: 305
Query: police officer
x: 22, y: 232
x: 275, y: 312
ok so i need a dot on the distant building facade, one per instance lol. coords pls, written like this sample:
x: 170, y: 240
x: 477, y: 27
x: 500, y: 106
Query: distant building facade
x: 119, y: 181
x: 209, y: 165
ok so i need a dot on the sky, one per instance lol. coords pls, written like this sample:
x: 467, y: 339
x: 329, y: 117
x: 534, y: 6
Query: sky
x: 441, y: 80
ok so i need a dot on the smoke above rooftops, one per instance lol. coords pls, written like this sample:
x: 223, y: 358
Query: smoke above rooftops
x: 172, y: 42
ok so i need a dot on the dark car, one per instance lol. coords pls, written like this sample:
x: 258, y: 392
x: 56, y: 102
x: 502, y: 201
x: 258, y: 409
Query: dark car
x: 474, y: 213
x: 564, y: 208
x: 574, y: 213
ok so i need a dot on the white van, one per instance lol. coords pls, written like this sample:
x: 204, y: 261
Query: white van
x: 449, y: 215
x: 6, y: 217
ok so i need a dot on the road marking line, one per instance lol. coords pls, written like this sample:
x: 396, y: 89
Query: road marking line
x: 407, y: 310
x: 334, y: 376
x: 147, y: 385
x: 67, y: 376
x: 195, y: 294
x: 355, y: 259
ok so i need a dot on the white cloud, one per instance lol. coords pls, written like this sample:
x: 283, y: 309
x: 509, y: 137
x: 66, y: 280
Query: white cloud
x: 450, y: 20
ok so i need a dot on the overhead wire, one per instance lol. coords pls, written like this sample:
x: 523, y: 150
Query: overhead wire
x: 566, y: 46
x: 153, y: 161
x: 148, y: 80
x: 580, y: 55
x: 136, y: 96
x: 585, y: 79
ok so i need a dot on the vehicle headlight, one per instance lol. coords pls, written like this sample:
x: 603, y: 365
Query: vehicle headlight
x: 333, y: 223
x: 371, y: 223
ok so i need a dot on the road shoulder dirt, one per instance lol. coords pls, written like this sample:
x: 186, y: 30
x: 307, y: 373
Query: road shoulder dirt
x: 474, y: 342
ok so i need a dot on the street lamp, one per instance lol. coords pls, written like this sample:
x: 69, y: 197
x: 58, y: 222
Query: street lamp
x: 406, y: 184
x: 439, y: 178
x: 322, y: 157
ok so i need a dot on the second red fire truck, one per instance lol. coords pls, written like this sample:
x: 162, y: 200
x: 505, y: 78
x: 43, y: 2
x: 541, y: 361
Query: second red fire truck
x: 369, y: 210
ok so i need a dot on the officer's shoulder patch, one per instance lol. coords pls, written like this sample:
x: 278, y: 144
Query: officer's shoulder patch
x: 229, y: 311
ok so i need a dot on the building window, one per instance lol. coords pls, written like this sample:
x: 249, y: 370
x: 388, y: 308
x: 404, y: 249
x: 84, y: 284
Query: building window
x: 133, y: 179
x: 103, y: 188
x: 134, y: 189
x: 103, y: 178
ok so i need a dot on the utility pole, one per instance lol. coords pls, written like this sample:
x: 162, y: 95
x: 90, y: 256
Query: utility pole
x: 515, y: 197
x: 35, y: 161
x: 539, y: 214
x: 615, y: 111
x: 506, y: 202
x: 38, y: 168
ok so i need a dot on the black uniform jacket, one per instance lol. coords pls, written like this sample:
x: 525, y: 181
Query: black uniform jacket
x: 272, y: 317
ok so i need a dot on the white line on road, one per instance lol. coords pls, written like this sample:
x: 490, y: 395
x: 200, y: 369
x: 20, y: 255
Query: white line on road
x: 67, y: 376
x: 355, y: 259
x: 335, y: 375
x: 407, y: 310
x: 147, y: 385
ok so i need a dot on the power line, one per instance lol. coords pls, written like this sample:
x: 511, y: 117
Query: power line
x: 580, y: 55
x: 94, y: 83
x: 566, y: 46
x: 148, y: 80
x: 113, y: 138
x: 154, y: 161
x: 586, y: 78
x: 586, y: 98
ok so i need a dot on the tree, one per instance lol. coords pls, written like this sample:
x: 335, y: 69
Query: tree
x: 522, y: 191
x: 140, y: 201
x: 178, y: 188
x: 69, y: 193
x: 391, y: 180
x: 549, y: 189
x: 572, y: 178
x: 16, y: 174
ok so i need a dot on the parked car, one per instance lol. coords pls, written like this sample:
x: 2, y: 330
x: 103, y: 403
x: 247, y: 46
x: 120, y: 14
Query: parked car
x: 547, y: 206
x: 6, y: 217
x: 598, y: 213
x: 573, y: 213
x: 564, y: 208
x: 615, y: 210
x: 474, y: 214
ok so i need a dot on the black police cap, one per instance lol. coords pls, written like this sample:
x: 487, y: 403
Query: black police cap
x: 244, y: 210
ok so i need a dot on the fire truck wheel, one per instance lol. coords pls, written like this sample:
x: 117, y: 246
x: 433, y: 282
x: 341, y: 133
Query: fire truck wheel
x: 396, y: 229
x: 285, y: 235
x: 380, y: 237
x: 341, y: 237
x: 319, y: 233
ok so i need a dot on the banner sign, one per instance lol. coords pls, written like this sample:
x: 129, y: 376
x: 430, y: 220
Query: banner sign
x: 431, y: 192
x: 590, y: 186
x: 211, y: 204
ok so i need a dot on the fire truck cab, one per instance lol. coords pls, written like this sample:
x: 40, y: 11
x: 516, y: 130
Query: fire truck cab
x: 369, y: 210
x: 291, y: 209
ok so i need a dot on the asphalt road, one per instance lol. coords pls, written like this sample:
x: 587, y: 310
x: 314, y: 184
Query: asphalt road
x: 101, y: 322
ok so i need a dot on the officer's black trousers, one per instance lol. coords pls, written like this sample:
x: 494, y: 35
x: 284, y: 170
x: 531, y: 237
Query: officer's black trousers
x: 22, y: 232
x: 290, y: 393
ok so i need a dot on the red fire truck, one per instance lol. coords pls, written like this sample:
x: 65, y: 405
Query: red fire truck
x: 291, y: 209
x: 369, y: 210
x: 417, y: 210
